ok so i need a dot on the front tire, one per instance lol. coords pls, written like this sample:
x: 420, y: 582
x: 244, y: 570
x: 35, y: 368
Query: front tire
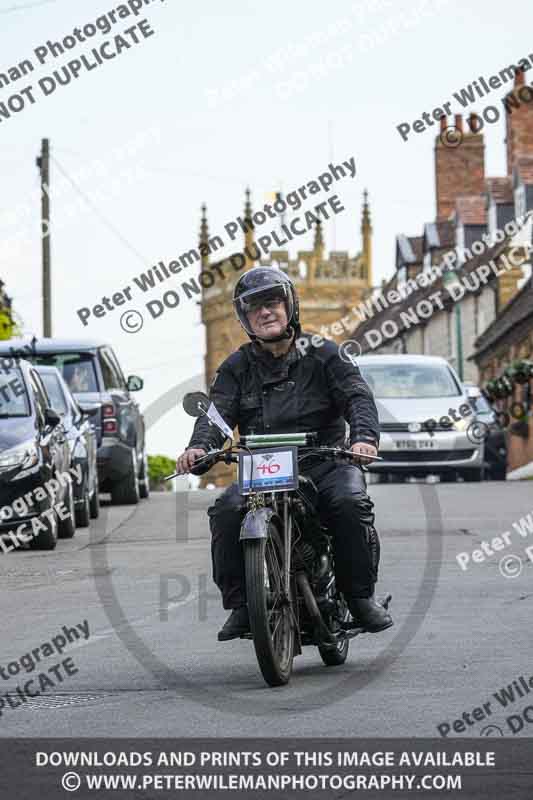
x: 271, y: 615
x: 46, y: 540
x: 144, y: 481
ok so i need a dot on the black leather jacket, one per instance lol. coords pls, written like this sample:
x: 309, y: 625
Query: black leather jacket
x: 317, y: 391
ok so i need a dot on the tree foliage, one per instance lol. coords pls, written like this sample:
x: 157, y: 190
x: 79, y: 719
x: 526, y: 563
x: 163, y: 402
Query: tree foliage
x: 158, y: 468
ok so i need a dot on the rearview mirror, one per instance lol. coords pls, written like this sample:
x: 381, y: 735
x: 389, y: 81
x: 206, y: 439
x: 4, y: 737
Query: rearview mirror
x: 134, y: 383
x: 51, y: 418
x: 195, y: 403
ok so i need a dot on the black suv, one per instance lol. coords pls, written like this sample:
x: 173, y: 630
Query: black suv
x: 93, y: 375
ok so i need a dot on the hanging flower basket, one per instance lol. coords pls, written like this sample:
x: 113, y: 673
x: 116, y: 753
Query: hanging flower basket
x: 519, y: 371
x: 499, y: 388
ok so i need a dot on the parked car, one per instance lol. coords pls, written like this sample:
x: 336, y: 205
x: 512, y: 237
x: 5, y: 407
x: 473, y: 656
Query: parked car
x: 495, y: 439
x: 93, y: 374
x: 418, y: 398
x: 81, y: 438
x: 33, y: 450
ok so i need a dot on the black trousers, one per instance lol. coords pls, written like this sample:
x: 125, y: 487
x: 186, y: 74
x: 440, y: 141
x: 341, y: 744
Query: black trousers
x: 344, y: 506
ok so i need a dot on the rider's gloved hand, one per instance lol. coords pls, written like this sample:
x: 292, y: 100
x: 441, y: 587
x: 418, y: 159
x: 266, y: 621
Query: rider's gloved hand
x: 186, y: 461
x: 360, y: 448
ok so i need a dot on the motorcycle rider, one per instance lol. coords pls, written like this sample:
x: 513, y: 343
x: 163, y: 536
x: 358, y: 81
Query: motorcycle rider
x: 281, y: 383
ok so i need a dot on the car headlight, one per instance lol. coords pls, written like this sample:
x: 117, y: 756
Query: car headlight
x: 23, y: 455
x: 461, y: 424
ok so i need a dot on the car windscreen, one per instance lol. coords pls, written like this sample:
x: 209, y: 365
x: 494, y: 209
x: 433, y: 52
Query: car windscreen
x: 13, y: 396
x: 54, y: 392
x: 417, y: 381
x: 481, y: 405
x: 77, y: 369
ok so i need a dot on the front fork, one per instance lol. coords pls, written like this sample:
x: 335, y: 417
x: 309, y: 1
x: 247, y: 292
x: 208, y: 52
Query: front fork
x: 287, y: 542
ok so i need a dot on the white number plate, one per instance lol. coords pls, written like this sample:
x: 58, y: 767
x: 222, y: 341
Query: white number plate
x: 421, y: 444
x: 274, y: 470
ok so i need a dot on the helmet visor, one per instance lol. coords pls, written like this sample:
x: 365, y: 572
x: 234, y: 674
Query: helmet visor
x: 270, y: 297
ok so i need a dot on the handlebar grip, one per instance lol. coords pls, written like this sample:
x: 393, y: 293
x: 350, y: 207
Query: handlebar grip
x: 203, y: 467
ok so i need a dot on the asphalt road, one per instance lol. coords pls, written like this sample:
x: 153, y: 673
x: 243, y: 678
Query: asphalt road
x: 154, y: 668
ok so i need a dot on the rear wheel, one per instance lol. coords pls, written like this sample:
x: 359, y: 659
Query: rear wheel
x: 126, y: 491
x: 83, y: 511
x: 67, y: 526
x: 94, y: 503
x: 271, y: 615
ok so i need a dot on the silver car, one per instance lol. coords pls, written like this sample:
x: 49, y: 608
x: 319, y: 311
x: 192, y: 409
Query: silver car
x: 426, y: 421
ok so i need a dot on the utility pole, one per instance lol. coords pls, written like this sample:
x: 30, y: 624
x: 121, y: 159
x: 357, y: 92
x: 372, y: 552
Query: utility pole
x: 43, y: 163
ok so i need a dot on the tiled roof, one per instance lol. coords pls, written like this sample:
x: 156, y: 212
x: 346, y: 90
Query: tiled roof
x: 394, y: 311
x: 471, y: 209
x: 519, y: 308
x: 501, y: 189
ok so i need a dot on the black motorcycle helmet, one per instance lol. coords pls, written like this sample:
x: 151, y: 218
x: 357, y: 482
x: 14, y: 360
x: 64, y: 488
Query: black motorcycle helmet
x: 266, y: 283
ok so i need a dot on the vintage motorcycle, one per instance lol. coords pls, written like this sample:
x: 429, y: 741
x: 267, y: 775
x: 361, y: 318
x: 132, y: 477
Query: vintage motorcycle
x: 290, y: 582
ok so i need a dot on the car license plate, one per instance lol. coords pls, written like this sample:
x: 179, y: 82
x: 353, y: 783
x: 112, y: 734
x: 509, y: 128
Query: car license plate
x: 421, y: 444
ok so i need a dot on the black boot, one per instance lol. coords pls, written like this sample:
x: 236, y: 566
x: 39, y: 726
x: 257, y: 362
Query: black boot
x: 236, y: 624
x: 369, y: 614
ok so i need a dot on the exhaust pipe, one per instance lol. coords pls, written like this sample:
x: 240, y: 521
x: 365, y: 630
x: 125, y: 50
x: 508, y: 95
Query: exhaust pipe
x: 313, y: 610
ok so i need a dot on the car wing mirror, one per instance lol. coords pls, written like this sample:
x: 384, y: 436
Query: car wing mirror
x: 197, y: 404
x: 51, y: 418
x: 134, y: 383
x: 90, y: 409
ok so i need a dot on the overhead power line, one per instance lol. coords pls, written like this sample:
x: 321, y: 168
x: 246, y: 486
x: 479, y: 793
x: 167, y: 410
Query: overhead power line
x: 26, y: 7
x: 99, y: 214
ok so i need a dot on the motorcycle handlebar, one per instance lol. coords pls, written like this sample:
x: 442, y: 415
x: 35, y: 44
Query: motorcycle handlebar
x: 205, y: 463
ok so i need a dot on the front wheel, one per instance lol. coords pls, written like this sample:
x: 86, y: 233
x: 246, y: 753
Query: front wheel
x: 271, y: 614
x: 144, y: 480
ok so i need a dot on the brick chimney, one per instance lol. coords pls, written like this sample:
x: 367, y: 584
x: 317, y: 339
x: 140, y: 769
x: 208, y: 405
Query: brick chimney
x: 518, y: 121
x: 459, y: 167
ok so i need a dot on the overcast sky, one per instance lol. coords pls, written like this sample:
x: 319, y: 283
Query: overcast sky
x: 224, y: 95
